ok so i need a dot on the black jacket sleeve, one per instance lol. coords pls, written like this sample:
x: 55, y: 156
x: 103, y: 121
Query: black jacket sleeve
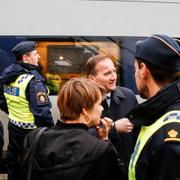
x: 39, y: 103
x: 110, y: 166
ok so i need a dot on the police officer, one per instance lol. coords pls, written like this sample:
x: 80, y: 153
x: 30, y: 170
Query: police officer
x: 157, y: 74
x: 24, y: 97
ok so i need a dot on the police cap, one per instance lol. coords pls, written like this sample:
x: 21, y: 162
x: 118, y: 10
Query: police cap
x: 24, y: 47
x: 161, y: 51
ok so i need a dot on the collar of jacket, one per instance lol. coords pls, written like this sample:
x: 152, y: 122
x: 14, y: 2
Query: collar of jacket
x: 35, y: 70
x: 11, y: 73
x: 117, y: 94
x: 14, y: 70
x: 63, y: 125
x: 148, y: 112
x: 27, y: 66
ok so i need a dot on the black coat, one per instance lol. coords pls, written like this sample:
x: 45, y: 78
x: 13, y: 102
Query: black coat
x: 122, y: 101
x: 70, y: 152
x: 159, y: 160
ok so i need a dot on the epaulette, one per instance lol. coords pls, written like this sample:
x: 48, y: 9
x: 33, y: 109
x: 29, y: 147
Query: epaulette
x: 37, y: 76
x: 172, y: 132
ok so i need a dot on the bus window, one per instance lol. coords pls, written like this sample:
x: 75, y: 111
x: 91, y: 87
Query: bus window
x: 61, y: 61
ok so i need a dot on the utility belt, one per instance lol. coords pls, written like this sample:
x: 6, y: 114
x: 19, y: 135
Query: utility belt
x: 23, y: 125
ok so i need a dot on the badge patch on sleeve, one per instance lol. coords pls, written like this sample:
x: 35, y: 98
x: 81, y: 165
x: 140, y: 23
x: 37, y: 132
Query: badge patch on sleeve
x: 172, y: 132
x: 42, y: 97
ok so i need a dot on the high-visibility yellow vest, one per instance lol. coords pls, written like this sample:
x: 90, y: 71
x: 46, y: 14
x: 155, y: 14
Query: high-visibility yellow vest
x: 147, y: 132
x: 18, y: 106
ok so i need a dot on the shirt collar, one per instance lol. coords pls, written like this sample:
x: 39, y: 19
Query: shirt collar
x: 108, y: 95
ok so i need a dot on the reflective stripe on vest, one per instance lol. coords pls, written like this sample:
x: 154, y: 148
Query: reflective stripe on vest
x: 18, y: 106
x: 144, y: 135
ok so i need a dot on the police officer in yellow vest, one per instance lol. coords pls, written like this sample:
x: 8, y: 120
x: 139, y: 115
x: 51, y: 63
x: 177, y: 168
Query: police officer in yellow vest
x: 24, y: 97
x: 157, y: 73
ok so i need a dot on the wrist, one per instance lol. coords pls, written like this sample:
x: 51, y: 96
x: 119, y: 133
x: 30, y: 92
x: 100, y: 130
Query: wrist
x: 114, y: 125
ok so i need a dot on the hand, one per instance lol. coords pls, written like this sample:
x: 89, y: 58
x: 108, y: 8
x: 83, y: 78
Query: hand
x: 102, y: 131
x: 123, y: 125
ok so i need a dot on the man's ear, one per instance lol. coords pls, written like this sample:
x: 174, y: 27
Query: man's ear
x: 25, y: 58
x: 91, y: 77
x: 143, y: 70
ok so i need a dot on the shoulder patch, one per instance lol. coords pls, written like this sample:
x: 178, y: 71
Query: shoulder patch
x: 42, y: 97
x: 172, y: 132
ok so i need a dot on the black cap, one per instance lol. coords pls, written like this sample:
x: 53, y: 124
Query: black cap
x: 161, y: 51
x: 24, y: 47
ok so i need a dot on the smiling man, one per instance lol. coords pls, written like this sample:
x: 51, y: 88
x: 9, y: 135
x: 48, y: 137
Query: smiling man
x: 120, y: 101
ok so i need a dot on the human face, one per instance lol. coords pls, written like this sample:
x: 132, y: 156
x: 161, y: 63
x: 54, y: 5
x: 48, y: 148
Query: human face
x: 106, y: 74
x: 32, y: 58
x: 139, y: 78
x: 95, y: 113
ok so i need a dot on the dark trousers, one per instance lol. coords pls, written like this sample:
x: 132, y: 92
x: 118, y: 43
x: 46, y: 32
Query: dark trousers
x: 15, y: 147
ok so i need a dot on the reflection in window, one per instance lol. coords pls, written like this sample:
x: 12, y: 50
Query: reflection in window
x: 62, y: 60
x: 67, y: 58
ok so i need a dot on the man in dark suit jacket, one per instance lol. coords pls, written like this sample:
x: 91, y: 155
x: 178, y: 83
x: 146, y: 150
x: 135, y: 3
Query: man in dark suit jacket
x: 117, y: 103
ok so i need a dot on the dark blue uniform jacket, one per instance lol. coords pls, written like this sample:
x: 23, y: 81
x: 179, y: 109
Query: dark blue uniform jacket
x: 159, y: 159
x: 40, y: 110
